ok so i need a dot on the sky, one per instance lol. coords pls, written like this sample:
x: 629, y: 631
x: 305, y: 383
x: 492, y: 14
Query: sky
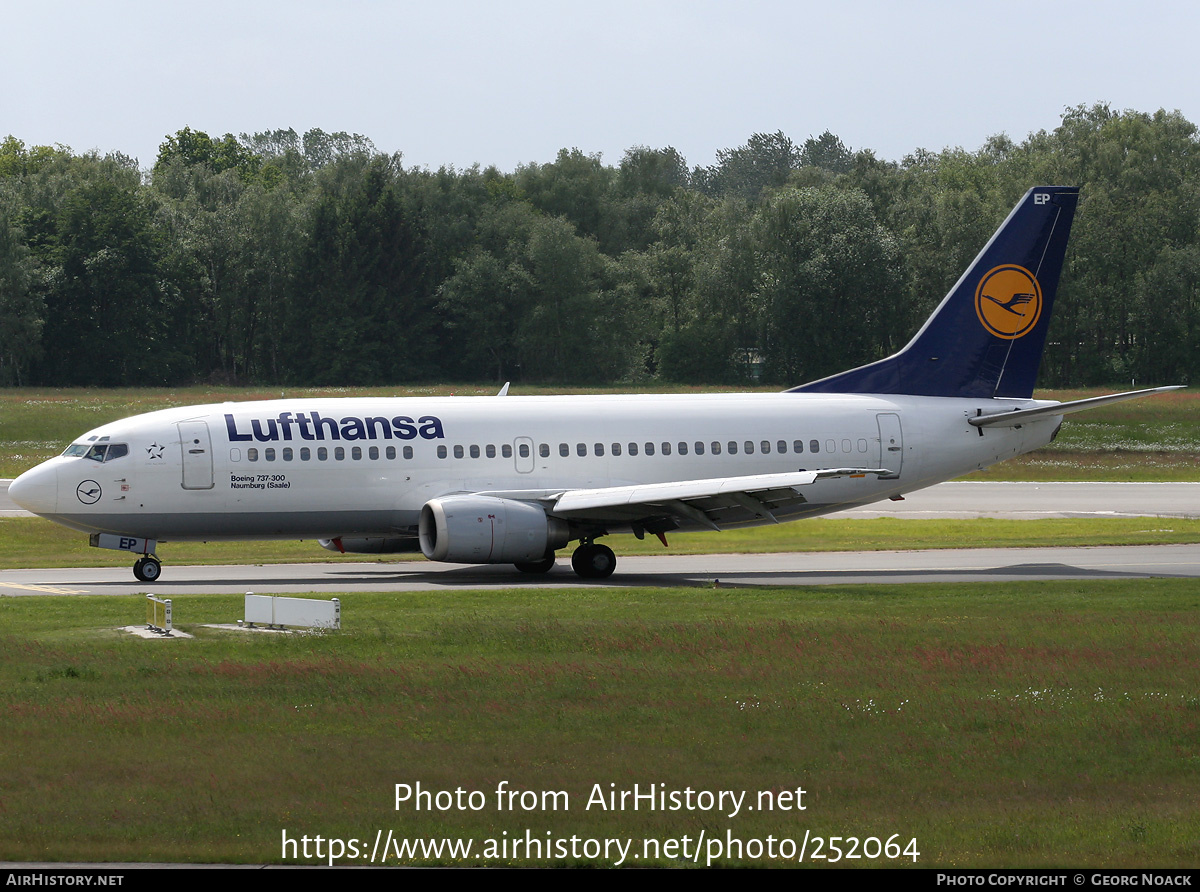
x: 509, y: 83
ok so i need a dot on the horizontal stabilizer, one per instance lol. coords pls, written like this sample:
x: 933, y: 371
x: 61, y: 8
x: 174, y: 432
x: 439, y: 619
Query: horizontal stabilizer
x: 1024, y: 416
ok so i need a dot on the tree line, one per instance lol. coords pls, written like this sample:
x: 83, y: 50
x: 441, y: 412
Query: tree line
x: 316, y: 259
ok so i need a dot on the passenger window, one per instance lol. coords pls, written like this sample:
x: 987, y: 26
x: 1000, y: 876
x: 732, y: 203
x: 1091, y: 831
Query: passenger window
x: 766, y: 447
x: 682, y: 448
x: 633, y: 448
x: 287, y: 453
x: 699, y: 447
x: 564, y: 450
x: 339, y: 453
x: 716, y: 447
x: 649, y: 448
x: 475, y: 452
x: 506, y: 451
x: 252, y: 454
x: 356, y: 453
x: 490, y: 451
x: 408, y: 452
x: 458, y: 452
x: 733, y: 447
x: 322, y: 454
x: 581, y: 449
x: 305, y: 454
x: 441, y: 452
x: 523, y: 449
x: 749, y: 446
x: 814, y: 446
x: 544, y: 450
x: 269, y: 454
x: 616, y: 448
x: 599, y: 447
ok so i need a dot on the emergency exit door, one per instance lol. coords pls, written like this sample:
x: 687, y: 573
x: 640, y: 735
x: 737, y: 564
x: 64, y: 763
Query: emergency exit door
x: 197, y: 454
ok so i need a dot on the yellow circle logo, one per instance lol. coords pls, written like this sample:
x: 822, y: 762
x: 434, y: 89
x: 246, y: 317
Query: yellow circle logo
x: 1008, y: 301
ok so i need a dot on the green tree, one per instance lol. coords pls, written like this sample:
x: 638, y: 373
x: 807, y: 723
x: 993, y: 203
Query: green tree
x: 108, y: 320
x: 360, y: 311
x: 829, y: 282
x: 21, y: 309
x: 195, y: 147
x: 826, y: 152
x: 764, y: 162
x: 575, y: 186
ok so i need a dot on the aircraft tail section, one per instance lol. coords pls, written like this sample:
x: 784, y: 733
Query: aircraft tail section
x: 986, y: 337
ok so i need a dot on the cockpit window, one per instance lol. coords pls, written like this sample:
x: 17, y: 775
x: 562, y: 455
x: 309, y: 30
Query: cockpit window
x: 97, y: 452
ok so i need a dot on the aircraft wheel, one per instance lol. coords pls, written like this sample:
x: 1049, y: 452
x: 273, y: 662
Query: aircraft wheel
x: 147, y: 569
x: 594, y: 561
x: 542, y: 566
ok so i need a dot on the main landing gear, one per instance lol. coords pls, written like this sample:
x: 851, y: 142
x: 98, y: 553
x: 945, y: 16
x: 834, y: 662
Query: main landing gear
x: 147, y: 569
x: 589, y: 561
x: 542, y: 566
x: 592, y: 561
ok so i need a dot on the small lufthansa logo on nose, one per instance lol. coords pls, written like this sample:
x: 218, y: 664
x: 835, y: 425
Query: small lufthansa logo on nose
x: 1008, y: 301
x: 88, y: 492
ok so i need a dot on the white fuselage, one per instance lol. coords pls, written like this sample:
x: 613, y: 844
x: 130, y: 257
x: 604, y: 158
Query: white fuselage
x: 325, y: 468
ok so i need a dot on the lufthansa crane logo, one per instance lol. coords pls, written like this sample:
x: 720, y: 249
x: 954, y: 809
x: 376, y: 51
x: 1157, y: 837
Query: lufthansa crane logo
x: 88, y: 492
x: 1008, y: 301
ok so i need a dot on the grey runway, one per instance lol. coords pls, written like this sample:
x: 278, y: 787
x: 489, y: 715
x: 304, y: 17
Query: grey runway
x: 726, y: 570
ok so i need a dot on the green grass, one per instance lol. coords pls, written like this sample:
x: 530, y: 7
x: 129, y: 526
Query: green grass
x: 1157, y: 438
x: 33, y: 542
x: 1002, y: 725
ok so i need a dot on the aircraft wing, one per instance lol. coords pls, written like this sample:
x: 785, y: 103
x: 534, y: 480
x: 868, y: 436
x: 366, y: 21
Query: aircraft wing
x: 699, y: 501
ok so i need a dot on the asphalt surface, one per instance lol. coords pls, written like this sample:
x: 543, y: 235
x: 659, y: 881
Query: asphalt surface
x: 725, y: 570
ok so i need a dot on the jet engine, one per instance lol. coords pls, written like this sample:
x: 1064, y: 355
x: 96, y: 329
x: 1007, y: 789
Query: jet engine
x: 473, y: 529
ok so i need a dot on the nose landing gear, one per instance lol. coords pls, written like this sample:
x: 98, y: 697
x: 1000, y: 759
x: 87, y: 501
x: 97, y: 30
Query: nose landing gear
x: 147, y: 569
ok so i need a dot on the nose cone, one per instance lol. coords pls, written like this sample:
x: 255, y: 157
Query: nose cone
x: 37, y: 489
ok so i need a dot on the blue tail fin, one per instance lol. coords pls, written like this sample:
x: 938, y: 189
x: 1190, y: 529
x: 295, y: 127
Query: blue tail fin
x: 986, y: 337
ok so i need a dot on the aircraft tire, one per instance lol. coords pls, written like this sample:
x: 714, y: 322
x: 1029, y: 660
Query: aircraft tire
x: 147, y: 569
x: 545, y: 565
x: 594, y: 561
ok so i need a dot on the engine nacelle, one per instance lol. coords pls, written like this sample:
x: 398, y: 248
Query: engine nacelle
x: 370, y: 546
x: 485, y: 530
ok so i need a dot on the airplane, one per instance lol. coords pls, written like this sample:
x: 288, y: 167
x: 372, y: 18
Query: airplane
x: 511, y: 479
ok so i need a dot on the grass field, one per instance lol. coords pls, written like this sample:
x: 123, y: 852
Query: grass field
x: 1016, y: 724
